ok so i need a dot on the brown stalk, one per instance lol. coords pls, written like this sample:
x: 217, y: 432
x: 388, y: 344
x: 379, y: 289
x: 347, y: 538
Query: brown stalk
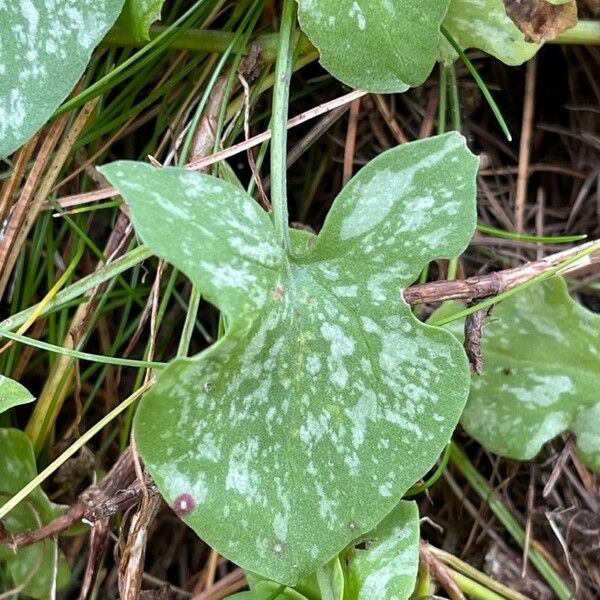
x: 439, y: 571
x: 525, y: 144
x: 482, y: 286
x: 25, y: 210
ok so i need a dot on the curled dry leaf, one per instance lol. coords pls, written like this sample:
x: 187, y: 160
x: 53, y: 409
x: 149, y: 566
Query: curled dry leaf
x: 540, y: 20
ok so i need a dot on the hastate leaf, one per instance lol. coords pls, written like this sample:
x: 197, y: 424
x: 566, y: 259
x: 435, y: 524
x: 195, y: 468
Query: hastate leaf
x: 44, y: 48
x: 484, y: 24
x: 387, y: 566
x: 541, y: 377
x: 326, y: 399
x: 12, y: 393
x: 31, y: 566
x: 377, y: 46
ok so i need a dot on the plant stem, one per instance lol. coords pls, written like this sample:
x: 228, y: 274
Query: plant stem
x: 479, y: 81
x: 79, y: 288
x: 472, y: 573
x: 454, y: 97
x: 473, y: 589
x: 190, y: 322
x: 585, y: 32
x: 443, y: 98
x: 211, y: 40
x: 459, y: 460
x: 281, y: 95
x: 99, y: 358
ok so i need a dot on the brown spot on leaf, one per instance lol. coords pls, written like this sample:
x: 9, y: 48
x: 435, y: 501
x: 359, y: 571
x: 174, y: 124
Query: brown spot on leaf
x: 278, y: 292
x: 184, y: 504
x: 539, y: 20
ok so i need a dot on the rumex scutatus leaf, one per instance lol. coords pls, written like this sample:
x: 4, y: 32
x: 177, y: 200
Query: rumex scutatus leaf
x: 326, y: 399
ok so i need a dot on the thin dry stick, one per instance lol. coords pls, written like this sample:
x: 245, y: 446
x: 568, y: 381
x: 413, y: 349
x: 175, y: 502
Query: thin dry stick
x: 88, y: 506
x: 482, y: 286
x: 350, y: 146
x: 266, y: 135
x: 13, y: 182
x: 527, y: 540
x: 232, y: 582
x: 207, y: 577
x: 539, y: 220
x: 18, y: 224
x: 110, y: 192
x: 388, y: 117
x: 428, y: 122
x: 557, y: 470
x: 525, y: 144
x: 33, y: 207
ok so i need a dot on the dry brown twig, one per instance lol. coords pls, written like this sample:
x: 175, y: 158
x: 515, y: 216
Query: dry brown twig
x: 483, y: 286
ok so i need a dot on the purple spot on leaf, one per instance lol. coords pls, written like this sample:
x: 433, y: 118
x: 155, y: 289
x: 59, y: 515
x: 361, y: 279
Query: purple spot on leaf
x: 184, y: 504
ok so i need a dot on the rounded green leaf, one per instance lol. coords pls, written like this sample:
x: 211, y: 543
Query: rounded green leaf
x: 376, y: 46
x: 45, y: 46
x: 32, y: 565
x: 326, y: 399
x: 330, y: 580
x: 12, y: 393
x: 266, y: 593
x: 137, y: 16
x: 541, y: 377
x: 387, y: 567
x: 484, y: 24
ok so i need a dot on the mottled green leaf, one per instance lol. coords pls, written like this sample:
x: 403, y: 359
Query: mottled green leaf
x: 266, y: 593
x: 44, y: 48
x: 387, y: 567
x: 12, y: 393
x: 330, y: 579
x: 541, y: 377
x: 307, y: 587
x: 137, y: 16
x: 32, y: 565
x: 484, y: 24
x: 326, y: 399
x: 377, y: 46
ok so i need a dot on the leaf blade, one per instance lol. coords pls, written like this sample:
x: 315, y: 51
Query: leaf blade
x: 378, y: 46
x: 12, y: 393
x: 45, y: 49
x: 329, y: 387
x: 540, y: 376
x: 388, y: 567
x: 33, y: 565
